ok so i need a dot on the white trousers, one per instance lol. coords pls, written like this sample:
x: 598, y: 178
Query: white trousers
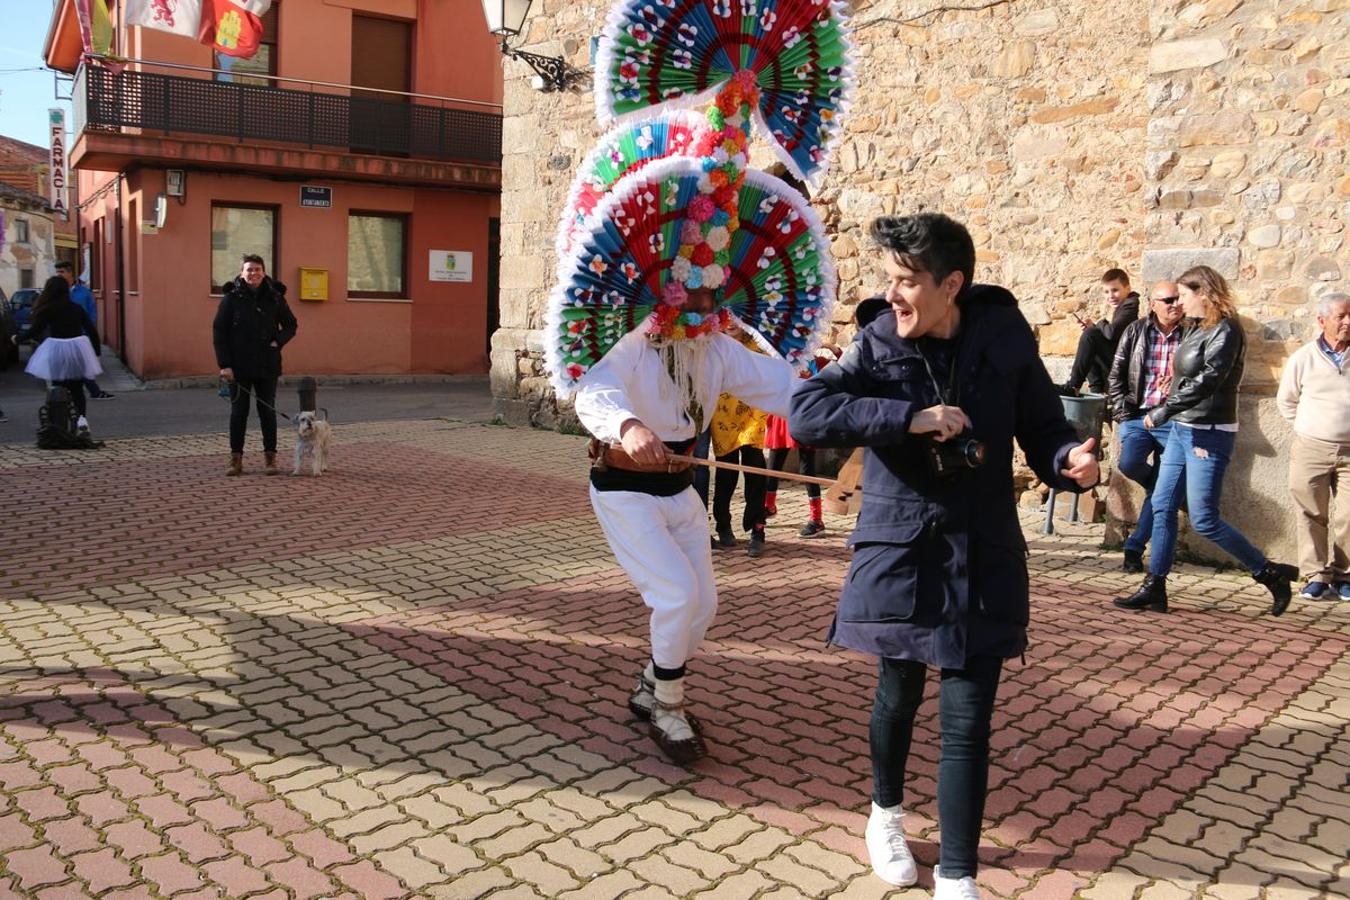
x: 662, y: 543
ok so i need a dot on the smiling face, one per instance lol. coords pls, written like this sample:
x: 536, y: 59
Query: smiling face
x: 1114, y: 292
x: 922, y: 305
x: 1336, y: 325
x: 252, y: 273
x: 1192, y: 302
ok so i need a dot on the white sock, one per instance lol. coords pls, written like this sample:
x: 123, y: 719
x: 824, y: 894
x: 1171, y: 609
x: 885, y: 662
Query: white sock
x: 670, y: 693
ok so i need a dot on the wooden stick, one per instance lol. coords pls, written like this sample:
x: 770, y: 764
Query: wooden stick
x: 752, y: 470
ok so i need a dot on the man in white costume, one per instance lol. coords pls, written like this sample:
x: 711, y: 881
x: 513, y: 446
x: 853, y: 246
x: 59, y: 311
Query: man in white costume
x: 646, y: 504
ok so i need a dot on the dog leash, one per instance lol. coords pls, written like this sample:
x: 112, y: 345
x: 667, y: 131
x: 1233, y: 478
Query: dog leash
x: 224, y: 392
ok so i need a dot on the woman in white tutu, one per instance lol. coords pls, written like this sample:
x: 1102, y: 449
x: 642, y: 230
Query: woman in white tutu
x: 67, y: 356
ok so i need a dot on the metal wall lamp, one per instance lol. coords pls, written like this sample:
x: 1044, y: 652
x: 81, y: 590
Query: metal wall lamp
x: 506, y: 19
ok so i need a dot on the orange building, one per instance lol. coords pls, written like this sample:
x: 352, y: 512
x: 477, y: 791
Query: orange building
x: 359, y: 152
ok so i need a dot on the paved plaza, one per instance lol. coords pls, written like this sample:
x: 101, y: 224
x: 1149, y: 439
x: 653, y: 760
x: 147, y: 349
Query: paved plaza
x: 408, y: 679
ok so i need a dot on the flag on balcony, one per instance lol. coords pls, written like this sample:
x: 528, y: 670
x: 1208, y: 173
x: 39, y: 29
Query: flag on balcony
x: 95, y: 26
x: 182, y: 17
x: 232, y: 27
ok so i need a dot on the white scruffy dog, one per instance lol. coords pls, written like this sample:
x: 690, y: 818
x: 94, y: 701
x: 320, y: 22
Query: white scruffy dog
x: 312, y: 435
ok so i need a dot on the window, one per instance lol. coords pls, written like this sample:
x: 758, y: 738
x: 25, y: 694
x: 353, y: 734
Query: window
x: 236, y: 230
x: 20, y: 231
x: 25, y: 278
x: 377, y: 264
x: 264, y: 62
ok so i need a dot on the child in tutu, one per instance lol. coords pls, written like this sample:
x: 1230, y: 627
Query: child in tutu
x: 68, y: 356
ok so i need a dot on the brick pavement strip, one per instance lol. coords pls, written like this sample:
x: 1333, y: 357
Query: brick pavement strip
x: 411, y: 682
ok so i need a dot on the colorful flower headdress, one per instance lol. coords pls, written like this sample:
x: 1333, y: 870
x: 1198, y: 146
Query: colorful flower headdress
x: 665, y: 205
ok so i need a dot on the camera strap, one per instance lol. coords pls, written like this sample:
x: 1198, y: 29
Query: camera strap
x: 951, y: 394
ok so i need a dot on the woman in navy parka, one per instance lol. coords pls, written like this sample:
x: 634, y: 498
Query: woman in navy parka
x: 939, y: 574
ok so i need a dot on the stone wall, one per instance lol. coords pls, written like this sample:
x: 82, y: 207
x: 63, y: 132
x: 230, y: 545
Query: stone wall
x: 1071, y: 136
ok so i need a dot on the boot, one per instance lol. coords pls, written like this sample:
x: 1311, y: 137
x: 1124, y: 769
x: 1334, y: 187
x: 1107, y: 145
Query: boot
x: 269, y: 463
x: 236, y: 465
x: 725, y: 539
x: 1277, y: 578
x: 755, y: 549
x: 1152, y: 594
x: 815, y: 525
x: 1133, y: 562
x: 642, y: 699
x: 675, y: 732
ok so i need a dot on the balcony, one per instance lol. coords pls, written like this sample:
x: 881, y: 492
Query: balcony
x: 151, y: 117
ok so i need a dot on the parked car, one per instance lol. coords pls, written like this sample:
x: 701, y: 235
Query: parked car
x: 21, y: 304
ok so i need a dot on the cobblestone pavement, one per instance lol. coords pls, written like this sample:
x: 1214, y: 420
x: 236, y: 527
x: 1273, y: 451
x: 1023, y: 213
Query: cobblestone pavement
x: 407, y: 678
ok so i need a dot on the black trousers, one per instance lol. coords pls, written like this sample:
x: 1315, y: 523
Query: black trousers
x: 807, y: 457
x: 724, y: 485
x: 264, y: 391
x: 965, y: 707
x: 1092, y: 360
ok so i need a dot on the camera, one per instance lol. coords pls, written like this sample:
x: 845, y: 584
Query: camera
x: 948, y: 458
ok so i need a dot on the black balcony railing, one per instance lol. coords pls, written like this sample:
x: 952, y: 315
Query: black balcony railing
x: 177, y: 104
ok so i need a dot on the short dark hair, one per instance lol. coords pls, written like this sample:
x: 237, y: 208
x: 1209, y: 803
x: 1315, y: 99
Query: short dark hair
x: 252, y: 258
x: 869, y: 309
x: 928, y: 242
x: 1116, y: 275
x: 63, y: 264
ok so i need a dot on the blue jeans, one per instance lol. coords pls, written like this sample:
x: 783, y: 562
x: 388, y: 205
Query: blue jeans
x: 1141, y: 451
x: 701, y: 473
x: 965, y: 709
x: 1200, y: 478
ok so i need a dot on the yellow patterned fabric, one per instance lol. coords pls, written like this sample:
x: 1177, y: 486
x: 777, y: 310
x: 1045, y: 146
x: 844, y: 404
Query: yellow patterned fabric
x: 735, y: 424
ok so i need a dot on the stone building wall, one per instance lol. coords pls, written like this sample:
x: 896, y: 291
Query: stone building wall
x: 1071, y: 136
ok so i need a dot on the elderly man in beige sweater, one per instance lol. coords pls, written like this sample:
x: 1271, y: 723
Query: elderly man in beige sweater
x: 1315, y: 398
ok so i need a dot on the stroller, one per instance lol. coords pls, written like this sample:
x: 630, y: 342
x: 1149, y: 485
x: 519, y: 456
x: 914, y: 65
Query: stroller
x: 58, y: 427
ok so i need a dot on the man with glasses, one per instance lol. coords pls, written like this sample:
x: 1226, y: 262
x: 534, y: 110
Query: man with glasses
x: 1140, y: 376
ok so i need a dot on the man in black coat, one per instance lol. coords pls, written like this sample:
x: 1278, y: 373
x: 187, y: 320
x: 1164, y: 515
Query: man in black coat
x: 1097, y: 344
x: 936, y: 389
x: 252, y: 324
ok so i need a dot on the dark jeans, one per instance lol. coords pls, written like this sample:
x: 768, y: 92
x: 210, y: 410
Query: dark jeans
x: 965, y: 707
x: 1092, y: 360
x: 1199, y: 477
x: 724, y: 485
x: 1141, y: 451
x: 92, y: 387
x: 265, y: 391
x: 807, y: 456
x: 76, y: 389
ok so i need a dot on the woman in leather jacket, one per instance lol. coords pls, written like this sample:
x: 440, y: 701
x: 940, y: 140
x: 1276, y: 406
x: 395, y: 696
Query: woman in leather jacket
x: 1203, y: 403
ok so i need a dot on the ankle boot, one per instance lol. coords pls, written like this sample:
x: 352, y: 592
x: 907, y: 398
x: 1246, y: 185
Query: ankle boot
x: 1277, y: 577
x: 269, y: 463
x: 236, y: 466
x: 1152, y: 594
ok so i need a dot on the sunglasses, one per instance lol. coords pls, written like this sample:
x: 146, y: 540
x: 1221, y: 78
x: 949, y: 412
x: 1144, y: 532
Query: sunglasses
x: 1168, y: 300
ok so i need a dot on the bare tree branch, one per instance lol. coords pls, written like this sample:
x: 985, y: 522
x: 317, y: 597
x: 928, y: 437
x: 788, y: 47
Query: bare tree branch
x: 937, y: 11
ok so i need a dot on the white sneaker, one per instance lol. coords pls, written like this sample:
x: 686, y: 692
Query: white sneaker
x: 954, y: 888
x: 886, y: 847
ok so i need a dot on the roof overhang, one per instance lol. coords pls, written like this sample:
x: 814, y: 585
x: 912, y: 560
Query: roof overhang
x: 64, y: 47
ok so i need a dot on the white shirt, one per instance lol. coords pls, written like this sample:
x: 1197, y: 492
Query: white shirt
x: 631, y: 382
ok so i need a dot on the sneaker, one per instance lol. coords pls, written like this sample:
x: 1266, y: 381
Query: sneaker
x: 1133, y: 562
x: 756, y: 548
x: 811, y: 529
x: 1315, y: 590
x: 891, y: 860
x: 953, y: 888
x: 3, y: 417
x: 102, y: 395
x: 1343, y: 590
x: 725, y: 540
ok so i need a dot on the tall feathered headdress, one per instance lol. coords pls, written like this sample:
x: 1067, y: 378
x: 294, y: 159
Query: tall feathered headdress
x: 665, y: 203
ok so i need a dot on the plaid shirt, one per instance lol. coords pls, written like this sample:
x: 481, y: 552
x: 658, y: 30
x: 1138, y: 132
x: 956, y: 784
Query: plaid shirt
x: 1161, y: 348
